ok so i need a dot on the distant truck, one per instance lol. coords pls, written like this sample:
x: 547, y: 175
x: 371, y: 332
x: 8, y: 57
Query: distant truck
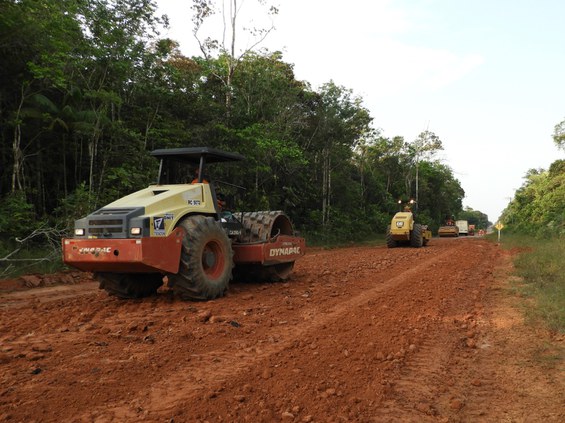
x: 463, y: 226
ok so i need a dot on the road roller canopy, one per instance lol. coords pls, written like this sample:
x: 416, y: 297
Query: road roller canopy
x: 180, y: 165
x: 193, y: 155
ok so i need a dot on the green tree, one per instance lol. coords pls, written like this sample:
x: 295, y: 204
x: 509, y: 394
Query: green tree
x: 37, y: 39
x: 341, y: 121
x: 441, y: 193
x: 559, y: 135
x: 88, y: 88
x: 538, y: 207
x: 16, y: 215
x: 424, y: 147
x: 226, y: 48
x: 475, y: 217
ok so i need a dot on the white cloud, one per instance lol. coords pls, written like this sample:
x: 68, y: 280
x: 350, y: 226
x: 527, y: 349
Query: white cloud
x: 349, y: 42
x: 359, y: 46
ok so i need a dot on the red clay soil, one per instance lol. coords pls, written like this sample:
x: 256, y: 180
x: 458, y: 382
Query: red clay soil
x: 361, y: 334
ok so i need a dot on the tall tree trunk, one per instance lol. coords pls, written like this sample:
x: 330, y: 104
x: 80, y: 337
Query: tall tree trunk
x: 92, y: 147
x: 17, y: 169
x: 329, y: 202
x: 362, y: 182
x: 40, y: 184
x: 148, y: 126
x: 326, y: 186
x: 18, y: 159
x: 229, y: 91
x: 231, y: 61
x: 65, y: 189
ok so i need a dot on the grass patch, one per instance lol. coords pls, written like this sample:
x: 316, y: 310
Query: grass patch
x: 549, y: 356
x: 539, y: 265
x: 30, y: 260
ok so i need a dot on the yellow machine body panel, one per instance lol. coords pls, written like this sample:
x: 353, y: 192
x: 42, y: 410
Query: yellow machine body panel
x: 401, y: 225
x: 167, y: 204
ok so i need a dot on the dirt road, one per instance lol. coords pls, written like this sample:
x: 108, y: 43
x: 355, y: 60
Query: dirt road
x: 364, y: 334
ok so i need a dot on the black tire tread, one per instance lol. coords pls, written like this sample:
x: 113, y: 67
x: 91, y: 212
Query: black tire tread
x: 416, y: 237
x: 390, y: 242
x: 130, y: 285
x: 191, y: 282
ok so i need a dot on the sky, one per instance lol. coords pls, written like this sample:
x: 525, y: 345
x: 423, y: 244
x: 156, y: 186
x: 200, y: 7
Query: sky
x: 486, y: 76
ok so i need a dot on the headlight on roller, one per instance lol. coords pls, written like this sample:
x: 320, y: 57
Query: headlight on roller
x: 135, y: 231
x: 79, y: 232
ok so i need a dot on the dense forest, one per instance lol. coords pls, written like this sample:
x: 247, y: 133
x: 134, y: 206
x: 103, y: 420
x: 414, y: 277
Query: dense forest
x: 88, y: 88
x: 538, y: 206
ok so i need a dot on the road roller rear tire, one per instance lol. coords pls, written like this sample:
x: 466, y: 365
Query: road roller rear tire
x: 260, y: 227
x: 390, y: 242
x: 416, y: 236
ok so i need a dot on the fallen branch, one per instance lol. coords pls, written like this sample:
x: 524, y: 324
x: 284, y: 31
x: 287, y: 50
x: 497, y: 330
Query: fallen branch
x: 53, y: 243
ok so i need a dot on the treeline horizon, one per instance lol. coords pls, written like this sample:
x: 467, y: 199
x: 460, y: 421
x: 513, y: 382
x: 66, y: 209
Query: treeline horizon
x: 88, y: 89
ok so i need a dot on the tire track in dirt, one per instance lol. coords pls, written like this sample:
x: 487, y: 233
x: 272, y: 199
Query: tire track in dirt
x: 506, y: 363
x: 208, y: 372
x: 360, y: 334
x: 457, y: 380
x: 417, y: 388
